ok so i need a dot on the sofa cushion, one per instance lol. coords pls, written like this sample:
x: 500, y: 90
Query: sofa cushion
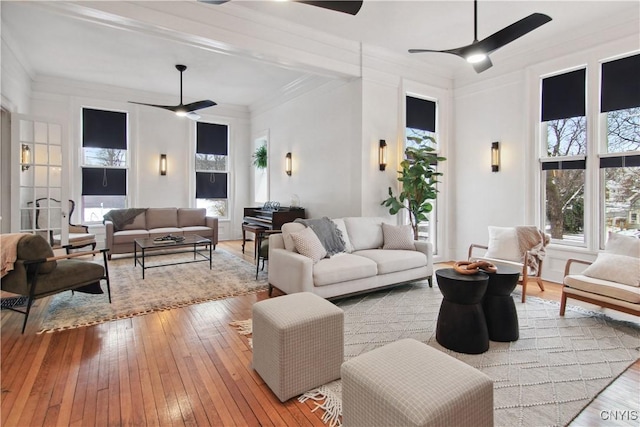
x: 616, y: 268
x: 308, y: 244
x: 603, y: 287
x: 128, y: 236
x: 503, y: 244
x: 139, y: 223
x: 348, y: 247
x: 391, y: 261
x: 620, y: 244
x: 33, y: 247
x: 191, y: 217
x: 398, y: 237
x: 365, y: 232
x: 160, y: 232
x: 342, y: 268
x: 206, y: 232
x: 287, y: 229
x: 162, y: 218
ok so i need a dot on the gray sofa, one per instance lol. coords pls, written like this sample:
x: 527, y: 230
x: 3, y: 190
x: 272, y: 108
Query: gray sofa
x: 158, y: 222
x: 364, y: 265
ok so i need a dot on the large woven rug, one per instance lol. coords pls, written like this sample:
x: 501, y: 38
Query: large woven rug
x: 163, y: 288
x: 545, y: 378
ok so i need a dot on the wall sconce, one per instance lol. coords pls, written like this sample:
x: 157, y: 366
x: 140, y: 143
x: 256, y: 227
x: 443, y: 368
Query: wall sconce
x: 382, y: 154
x: 25, y: 157
x: 287, y: 164
x: 495, y: 157
x: 163, y: 164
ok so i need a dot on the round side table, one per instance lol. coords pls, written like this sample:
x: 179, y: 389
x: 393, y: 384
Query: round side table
x: 499, y: 308
x: 461, y: 324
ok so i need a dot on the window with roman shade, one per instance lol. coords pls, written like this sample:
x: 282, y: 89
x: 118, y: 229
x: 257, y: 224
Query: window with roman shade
x: 420, y: 128
x: 619, y: 157
x: 211, y: 168
x: 563, y: 160
x: 104, y: 162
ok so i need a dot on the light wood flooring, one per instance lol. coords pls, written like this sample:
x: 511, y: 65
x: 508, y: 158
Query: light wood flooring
x: 178, y: 367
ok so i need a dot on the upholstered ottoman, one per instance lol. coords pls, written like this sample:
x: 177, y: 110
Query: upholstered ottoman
x: 298, y: 343
x: 408, y: 383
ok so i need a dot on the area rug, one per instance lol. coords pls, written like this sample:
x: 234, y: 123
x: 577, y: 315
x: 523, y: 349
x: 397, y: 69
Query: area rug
x: 163, y: 288
x: 547, y: 377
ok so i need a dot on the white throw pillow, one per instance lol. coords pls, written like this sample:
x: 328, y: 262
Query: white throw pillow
x: 620, y: 244
x: 348, y: 247
x: 308, y: 244
x: 398, y: 237
x: 287, y: 229
x: 503, y: 244
x: 615, y: 268
x: 365, y: 232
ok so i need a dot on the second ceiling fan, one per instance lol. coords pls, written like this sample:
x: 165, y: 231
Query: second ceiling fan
x: 477, y: 53
x: 188, y: 110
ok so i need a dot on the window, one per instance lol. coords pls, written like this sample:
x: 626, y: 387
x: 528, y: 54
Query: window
x: 620, y: 157
x: 564, y: 133
x: 212, y: 168
x: 421, y: 127
x: 104, y: 162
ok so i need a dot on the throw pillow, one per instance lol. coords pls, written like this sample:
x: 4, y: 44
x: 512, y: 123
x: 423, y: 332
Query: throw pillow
x: 620, y: 244
x: 287, y: 230
x: 503, y: 244
x: 342, y: 228
x: 397, y: 237
x: 615, y: 268
x: 308, y: 244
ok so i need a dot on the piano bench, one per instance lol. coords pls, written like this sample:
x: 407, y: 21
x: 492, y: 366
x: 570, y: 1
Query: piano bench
x: 255, y: 229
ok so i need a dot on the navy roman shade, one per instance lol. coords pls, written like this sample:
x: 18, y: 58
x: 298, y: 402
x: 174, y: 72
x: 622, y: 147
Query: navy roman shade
x: 212, y: 138
x: 620, y: 84
x: 564, y: 165
x: 620, y: 162
x: 421, y: 114
x: 563, y: 96
x: 211, y: 185
x: 104, y: 182
x: 104, y: 129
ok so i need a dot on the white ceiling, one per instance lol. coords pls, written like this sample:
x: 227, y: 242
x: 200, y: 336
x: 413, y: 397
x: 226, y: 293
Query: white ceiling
x: 57, y: 45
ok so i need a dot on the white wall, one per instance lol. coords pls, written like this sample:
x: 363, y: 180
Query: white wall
x: 321, y: 129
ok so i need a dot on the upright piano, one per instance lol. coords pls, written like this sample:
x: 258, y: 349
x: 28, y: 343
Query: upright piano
x: 271, y: 219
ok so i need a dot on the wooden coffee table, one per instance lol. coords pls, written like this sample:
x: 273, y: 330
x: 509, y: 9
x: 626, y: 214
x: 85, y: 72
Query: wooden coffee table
x: 149, y: 244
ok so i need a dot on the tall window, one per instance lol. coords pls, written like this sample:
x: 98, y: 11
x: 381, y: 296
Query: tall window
x: 212, y: 168
x: 620, y: 152
x: 104, y: 162
x: 564, y: 133
x: 421, y: 127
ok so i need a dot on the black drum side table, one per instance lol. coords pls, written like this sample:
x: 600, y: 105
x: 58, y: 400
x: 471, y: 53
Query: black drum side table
x: 461, y: 323
x: 499, y: 308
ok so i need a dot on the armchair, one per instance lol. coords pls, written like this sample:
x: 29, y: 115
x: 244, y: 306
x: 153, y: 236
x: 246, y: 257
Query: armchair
x: 520, y: 247
x: 611, y: 281
x: 31, y: 269
x: 48, y: 211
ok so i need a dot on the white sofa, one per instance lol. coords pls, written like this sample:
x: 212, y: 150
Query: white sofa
x: 363, y: 266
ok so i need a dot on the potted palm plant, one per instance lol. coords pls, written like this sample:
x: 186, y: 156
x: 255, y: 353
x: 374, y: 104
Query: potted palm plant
x: 419, y: 178
x: 260, y: 157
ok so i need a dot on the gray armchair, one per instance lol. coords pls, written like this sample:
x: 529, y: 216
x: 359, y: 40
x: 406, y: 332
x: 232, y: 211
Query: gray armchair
x: 37, y: 273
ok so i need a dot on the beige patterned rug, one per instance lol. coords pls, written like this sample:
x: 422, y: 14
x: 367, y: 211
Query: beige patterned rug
x: 545, y: 378
x: 163, y: 288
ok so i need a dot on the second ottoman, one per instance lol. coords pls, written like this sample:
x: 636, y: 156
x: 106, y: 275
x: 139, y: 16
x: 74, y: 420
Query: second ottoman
x: 298, y: 343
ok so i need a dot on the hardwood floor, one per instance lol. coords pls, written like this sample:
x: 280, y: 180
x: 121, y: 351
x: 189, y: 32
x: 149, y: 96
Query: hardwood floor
x: 178, y: 367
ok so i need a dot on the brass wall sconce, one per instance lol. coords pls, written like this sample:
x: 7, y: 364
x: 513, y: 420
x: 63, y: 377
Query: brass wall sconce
x: 25, y: 157
x: 382, y: 154
x: 163, y: 164
x: 288, y: 164
x: 495, y: 157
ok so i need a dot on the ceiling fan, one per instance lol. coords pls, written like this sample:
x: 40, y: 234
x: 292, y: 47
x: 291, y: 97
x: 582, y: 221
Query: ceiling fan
x: 181, y: 109
x: 477, y: 53
x: 346, y: 6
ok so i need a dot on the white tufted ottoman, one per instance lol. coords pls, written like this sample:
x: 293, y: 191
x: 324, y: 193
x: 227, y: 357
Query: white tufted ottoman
x: 298, y: 343
x: 408, y: 383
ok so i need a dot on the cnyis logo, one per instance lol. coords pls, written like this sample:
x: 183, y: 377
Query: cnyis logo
x: 617, y: 415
